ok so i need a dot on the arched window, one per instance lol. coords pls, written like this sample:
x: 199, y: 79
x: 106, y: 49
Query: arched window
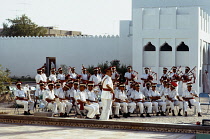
x: 165, y: 47
x: 149, y: 47
x: 182, y: 47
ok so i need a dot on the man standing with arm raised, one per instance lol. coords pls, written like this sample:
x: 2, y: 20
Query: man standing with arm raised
x: 106, y: 95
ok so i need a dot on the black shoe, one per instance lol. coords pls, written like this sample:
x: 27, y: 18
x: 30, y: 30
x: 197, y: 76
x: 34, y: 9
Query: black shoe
x: 120, y: 113
x: 185, y: 114
x: 29, y: 113
x: 61, y: 115
x: 115, y: 116
x: 148, y: 115
x: 173, y: 114
x: 110, y: 117
x: 129, y: 114
x: 25, y: 113
x: 199, y: 115
x: 65, y: 115
x: 142, y: 115
x: 125, y: 115
x: 162, y: 114
x: 179, y: 114
x: 157, y: 114
x: 97, y: 117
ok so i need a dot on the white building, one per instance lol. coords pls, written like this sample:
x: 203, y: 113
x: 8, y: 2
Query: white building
x: 162, y: 33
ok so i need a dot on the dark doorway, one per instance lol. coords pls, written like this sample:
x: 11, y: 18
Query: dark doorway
x: 51, y: 63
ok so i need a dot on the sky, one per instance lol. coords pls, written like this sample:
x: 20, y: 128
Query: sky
x: 92, y: 17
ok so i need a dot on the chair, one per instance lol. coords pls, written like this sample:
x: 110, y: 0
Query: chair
x: 204, y: 99
x: 16, y: 107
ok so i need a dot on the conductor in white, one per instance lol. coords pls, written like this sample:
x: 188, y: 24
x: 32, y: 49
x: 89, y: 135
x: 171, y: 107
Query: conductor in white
x: 106, y: 95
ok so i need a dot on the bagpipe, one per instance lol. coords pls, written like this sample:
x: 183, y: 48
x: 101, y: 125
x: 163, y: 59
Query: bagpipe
x: 190, y: 75
x: 134, y: 75
x: 151, y: 75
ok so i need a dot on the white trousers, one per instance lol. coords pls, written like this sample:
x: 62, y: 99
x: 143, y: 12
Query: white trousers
x: 27, y: 105
x: 175, y: 103
x: 107, y: 103
x: 100, y: 108
x: 64, y: 106
x: 162, y: 104
x: 132, y: 107
x: 145, y: 104
x: 92, y: 110
x: 53, y: 107
x: 193, y: 102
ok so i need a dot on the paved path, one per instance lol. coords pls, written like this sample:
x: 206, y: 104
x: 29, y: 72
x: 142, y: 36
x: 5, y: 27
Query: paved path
x: 15, y: 131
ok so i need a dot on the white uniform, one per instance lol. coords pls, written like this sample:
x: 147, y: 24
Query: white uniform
x: 93, y: 97
x: 28, y: 105
x: 84, y: 76
x: 188, y: 94
x: 128, y: 75
x: 83, y: 96
x: 38, y: 78
x: 122, y: 96
x: 106, y: 98
x: 173, y: 95
x: 95, y: 78
x: 158, y: 102
x: 61, y: 76
x: 147, y: 93
x: 73, y: 75
x: 51, y: 105
x: 53, y: 77
x: 44, y: 77
x: 139, y: 95
x: 63, y: 103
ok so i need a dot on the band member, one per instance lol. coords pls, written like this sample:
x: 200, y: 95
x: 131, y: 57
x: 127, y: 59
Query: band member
x: 164, y: 76
x: 129, y: 76
x: 52, y: 76
x: 185, y: 78
x: 173, y: 99
x: 39, y: 95
x: 73, y: 74
x: 82, y: 100
x: 38, y: 78
x: 84, y: 76
x: 156, y: 100
x: 115, y: 75
x: 138, y: 97
x: 146, y: 91
x: 146, y: 77
x: 189, y: 99
x: 61, y: 76
x: 106, y: 95
x: 121, y: 98
x: 174, y: 77
x: 95, y: 77
x: 63, y: 104
x: 49, y: 98
x: 21, y: 99
x: 44, y: 77
x: 100, y: 73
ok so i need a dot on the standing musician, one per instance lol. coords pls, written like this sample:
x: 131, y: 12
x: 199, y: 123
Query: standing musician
x: 61, y: 76
x: 115, y: 75
x: 129, y: 76
x: 38, y: 78
x: 73, y: 74
x: 84, y: 76
x: 146, y: 77
x: 52, y: 76
x: 96, y: 78
x: 164, y: 76
x: 185, y: 78
x: 174, y: 76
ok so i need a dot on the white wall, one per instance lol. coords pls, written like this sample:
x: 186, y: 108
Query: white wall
x: 24, y: 55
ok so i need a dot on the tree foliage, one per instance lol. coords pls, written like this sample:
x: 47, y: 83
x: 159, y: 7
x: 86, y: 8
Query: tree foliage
x: 4, y: 79
x: 22, y: 26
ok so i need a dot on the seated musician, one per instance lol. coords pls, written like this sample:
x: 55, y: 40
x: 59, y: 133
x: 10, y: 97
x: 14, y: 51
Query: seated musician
x: 146, y: 77
x: 189, y: 99
x: 39, y: 95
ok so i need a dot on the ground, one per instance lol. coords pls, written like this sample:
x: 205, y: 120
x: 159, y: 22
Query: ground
x: 11, y: 131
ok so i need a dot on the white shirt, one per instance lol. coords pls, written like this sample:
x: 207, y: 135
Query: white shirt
x: 39, y: 92
x: 137, y: 95
x: 173, y: 94
x: 128, y: 75
x: 73, y: 75
x: 61, y: 76
x: 146, y: 92
x: 82, y: 96
x: 52, y: 77
x: 114, y: 75
x: 188, y: 94
x: 95, y: 79
x: 106, y: 81
x: 144, y: 76
x: 84, y: 76
x: 91, y: 95
x: 38, y: 78
x: 44, y: 77
x: 20, y: 93
x: 61, y: 93
x: 121, y: 95
x: 48, y: 94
